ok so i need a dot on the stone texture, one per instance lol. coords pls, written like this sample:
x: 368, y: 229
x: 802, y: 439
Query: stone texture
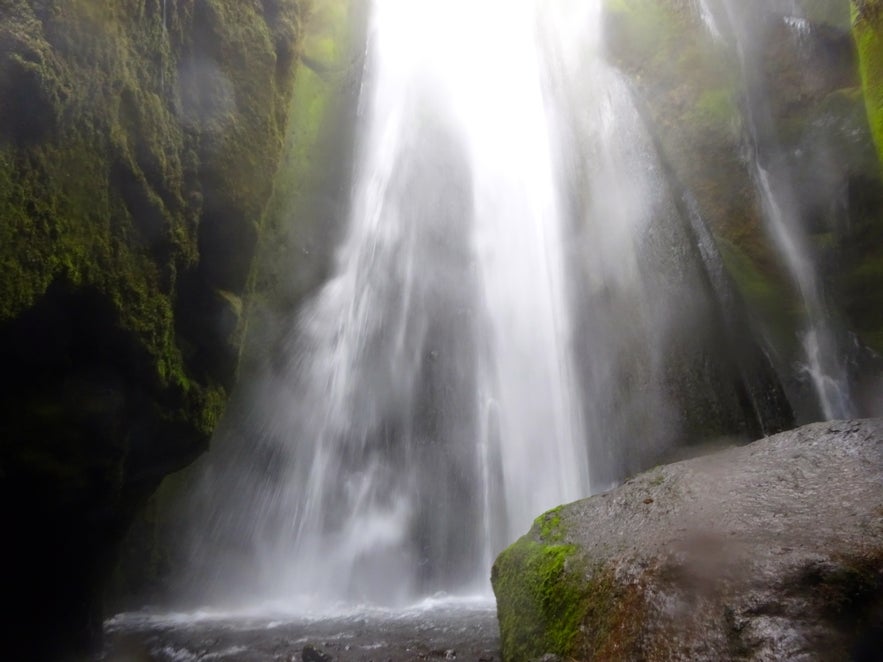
x: 138, y: 144
x: 764, y: 552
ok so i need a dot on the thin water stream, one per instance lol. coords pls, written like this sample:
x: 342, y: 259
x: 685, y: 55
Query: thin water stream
x: 823, y: 359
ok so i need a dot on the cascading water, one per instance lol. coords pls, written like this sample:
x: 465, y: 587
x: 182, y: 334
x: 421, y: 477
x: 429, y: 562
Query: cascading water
x: 431, y: 412
x: 823, y: 361
x: 526, y: 305
x: 651, y: 294
x: 708, y: 19
x: 521, y: 309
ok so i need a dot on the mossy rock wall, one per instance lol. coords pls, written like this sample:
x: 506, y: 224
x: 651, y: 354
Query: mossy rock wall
x: 310, y: 203
x: 696, y: 89
x: 867, y: 26
x: 863, y: 282
x: 138, y: 144
x: 307, y: 209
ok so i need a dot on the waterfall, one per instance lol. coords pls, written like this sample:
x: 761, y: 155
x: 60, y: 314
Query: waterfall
x: 708, y: 18
x: 520, y: 311
x: 430, y: 409
x: 823, y: 361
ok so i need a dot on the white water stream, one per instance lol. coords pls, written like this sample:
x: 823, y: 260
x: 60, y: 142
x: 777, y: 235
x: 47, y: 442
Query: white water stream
x: 823, y: 361
x: 433, y: 410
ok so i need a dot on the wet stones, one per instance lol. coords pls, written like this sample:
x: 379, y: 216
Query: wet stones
x: 312, y: 654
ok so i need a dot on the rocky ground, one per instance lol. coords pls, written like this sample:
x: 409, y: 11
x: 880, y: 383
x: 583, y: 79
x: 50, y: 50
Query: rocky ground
x: 458, y: 632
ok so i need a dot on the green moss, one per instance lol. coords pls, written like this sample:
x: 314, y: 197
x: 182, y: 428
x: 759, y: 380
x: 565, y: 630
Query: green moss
x: 549, y: 525
x: 244, y: 134
x: 305, y: 205
x: 766, y: 292
x: 210, y: 405
x: 716, y: 108
x: 755, y: 286
x: 106, y: 190
x: 645, y: 29
x: 325, y: 40
x: 867, y: 22
x: 137, y: 151
x: 63, y: 216
x: 552, y: 600
x: 541, y: 600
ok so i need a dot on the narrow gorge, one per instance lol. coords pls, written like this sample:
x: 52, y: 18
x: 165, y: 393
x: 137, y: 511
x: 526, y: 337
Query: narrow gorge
x: 311, y: 309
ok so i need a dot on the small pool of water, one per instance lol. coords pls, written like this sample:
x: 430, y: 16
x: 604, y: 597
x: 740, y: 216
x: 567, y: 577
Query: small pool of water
x: 440, y: 628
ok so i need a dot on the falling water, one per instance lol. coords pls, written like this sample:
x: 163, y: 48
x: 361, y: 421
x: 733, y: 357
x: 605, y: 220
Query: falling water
x: 823, y: 361
x: 429, y: 410
x: 521, y: 308
x: 648, y: 298
x: 708, y: 19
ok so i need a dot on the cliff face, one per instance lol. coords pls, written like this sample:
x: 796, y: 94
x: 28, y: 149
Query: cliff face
x: 709, y: 559
x: 309, y: 204
x: 867, y: 27
x: 138, y: 144
x: 752, y: 83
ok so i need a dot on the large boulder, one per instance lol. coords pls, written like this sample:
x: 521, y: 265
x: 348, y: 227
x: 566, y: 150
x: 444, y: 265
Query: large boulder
x: 768, y: 551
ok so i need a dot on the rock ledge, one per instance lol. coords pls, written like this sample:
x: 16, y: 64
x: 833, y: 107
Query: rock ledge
x: 768, y: 551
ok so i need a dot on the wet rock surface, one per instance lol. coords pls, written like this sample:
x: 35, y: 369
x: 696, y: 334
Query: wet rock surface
x: 768, y: 551
x: 133, y: 177
x: 450, y: 633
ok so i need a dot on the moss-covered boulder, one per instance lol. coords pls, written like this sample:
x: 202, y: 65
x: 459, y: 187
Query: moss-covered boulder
x: 769, y: 551
x: 552, y: 603
x: 138, y: 144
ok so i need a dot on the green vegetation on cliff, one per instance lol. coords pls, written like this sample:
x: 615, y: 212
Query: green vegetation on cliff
x: 308, y: 203
x: 136, y: 155
x: 867, y: 26
x: 813, y: 86
x: 305, y: 209
x: 539, y: 593
x: 138, y: 145
x: 862, y: 282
